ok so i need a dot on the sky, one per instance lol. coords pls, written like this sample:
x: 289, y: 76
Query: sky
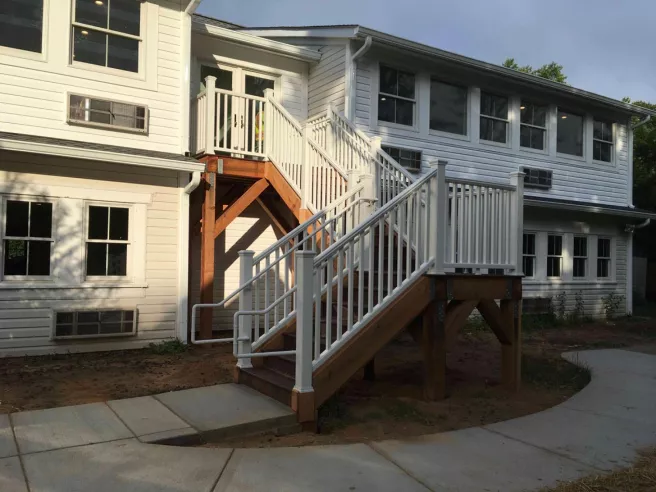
x: 606, y: 46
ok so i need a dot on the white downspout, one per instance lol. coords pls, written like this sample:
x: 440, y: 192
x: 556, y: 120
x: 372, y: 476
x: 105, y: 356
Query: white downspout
x: 183, y: 254
x: 352, y: 82
x: 631, y: 228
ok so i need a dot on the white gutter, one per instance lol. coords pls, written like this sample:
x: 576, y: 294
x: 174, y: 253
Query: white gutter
x: 351, y: 80
x: 641, y: 122
x: 183, y: 253
x: 191, y: 8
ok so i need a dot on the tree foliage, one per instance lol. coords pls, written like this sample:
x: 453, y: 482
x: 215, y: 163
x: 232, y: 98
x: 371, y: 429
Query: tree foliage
x: 551, y: 71
x: 644, y: 160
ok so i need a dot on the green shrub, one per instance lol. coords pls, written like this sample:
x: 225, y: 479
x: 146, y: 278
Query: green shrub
x: 611, y: 304
x: 168, y: 347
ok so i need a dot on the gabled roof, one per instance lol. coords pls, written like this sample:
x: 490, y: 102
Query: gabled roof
x: 351, y: 31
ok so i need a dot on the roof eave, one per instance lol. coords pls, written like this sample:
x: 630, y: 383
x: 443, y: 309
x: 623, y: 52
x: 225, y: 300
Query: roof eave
x: 364, y: 32
x: 241, y: 37
x: 590, y: 208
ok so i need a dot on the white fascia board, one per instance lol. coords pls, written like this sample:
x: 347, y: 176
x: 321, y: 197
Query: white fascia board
x: 586, y: 207
x: 191, y: 6
x: 248, y: 39
x: 401, y: 43
x: 99, y: 155
x: 303, y: 32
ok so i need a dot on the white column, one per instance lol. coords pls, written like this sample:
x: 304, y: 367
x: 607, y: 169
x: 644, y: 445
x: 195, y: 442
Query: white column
x: 374, y: 167
x: 268, y: 123
x: 245, y: 304
x: 517, y: 221
x: 438, y: 203
x: 210, y: 88
x: 304, y: 328
x: 306, y: 191
x: 330, y: 133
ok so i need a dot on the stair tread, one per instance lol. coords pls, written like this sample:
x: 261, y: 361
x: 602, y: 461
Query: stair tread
x: 273, y: 377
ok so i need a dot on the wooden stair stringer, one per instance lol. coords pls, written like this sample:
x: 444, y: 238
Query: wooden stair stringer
x: 363, y: 346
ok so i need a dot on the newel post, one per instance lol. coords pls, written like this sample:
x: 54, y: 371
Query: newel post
x: 269, y: 144
x: 306, y: 191
x: 438, y: 202
x: 330, y: 132
x: 517, y: 221
x: 303, y: 393
x: 245, y: 304
x: 210, y: 115
x: 376, y: 143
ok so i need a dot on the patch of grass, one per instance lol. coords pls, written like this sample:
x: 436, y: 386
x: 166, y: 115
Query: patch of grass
x: 168, y: 347
x: 553, y: 373
x: 641, y: 477
x: 334, y: 415
x: 401, y: 410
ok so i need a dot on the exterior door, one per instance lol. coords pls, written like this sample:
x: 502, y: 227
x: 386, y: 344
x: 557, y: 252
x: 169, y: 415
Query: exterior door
x: 223, y: 107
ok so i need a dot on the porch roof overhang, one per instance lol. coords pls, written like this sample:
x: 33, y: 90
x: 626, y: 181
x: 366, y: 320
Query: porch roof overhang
x: 595, y: 208
x: 71, y: 149
x: 361, y: 33
x: 201, y: 26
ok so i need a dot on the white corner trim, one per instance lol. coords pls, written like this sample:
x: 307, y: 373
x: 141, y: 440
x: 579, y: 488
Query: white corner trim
x: 99, y: 155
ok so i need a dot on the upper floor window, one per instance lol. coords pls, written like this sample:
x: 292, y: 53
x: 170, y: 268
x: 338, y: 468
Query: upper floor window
x: 396, y: 98
x: 90, y: 111
x: 410, y: 159
x: 580, y: 264
x: 602, y: 141
x: 603, y: 257
x: 107, y: 241
x: 27, y: 238
x: 570, y: 133
x: 21, y: 24
x: 533, y: 125
x: 494, y: 118
x: 107, y: 33
x: 448, y: 108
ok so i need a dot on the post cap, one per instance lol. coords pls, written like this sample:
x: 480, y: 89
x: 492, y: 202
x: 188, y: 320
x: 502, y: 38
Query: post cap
x: 246, y: 252
x: 306, y: 253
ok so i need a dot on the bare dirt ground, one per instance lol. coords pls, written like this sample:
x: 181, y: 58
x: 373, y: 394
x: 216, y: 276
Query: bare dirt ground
x: 390, y: 407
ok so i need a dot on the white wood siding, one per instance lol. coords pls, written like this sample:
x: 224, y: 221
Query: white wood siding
x: 34, y: 91
x: 572, y: 179
x: 291, y: 75
x: 593, y: 290
x: 252, y: 230
x: 25, y: 313
x: 327, y: 81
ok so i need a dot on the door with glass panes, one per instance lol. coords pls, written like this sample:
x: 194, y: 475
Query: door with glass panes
x: 239, y: 123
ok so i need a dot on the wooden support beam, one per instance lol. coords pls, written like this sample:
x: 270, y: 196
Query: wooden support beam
x: 511, y: 353
x: 286, y: 192
x: 274, y: 219
x: 492, y: 315
x: 433, y: 347
x: 456, y: 314
x: 207, y: 253
x: 227, y: 198
x: 238, y: 207
x: 243, y: 168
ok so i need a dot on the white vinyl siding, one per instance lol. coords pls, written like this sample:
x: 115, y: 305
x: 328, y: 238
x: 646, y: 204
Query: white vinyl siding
x: 327, y: 80
x: 573, y: 179
x: 26, y: 312
x: 34, y: 92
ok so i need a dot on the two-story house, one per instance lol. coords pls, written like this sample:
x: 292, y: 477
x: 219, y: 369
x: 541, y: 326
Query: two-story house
x: 111, y: 109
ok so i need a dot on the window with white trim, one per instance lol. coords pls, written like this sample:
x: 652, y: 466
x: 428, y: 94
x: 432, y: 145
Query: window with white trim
x: 103, y: 323
x: 410, y: 159
x: 107, y: 241
x: 448, y: 108
x: 603, y: 257
x: 104, y: 113
x: 396, y: 98
x: 602, y: 141
x: 21, y: 25
x: 107, y: 33
x: 528, y: 255
x: 569, y: 133
x: 580, y: 257
x: 494, y: 118
x: 27, y: 239
x: 554, y: 256
x: 533, y: 125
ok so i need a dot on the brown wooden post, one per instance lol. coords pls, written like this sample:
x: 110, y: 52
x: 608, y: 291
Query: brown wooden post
x: 370, y: 370
x: 207, y: 248
x: 511, y: 353
x: 433, y: 348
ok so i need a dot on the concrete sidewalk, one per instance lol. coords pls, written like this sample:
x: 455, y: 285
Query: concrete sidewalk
x: 104, y: 447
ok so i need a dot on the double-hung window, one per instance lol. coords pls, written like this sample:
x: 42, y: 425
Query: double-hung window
x: 410, y: 159
x: 107, y: 241
x: 569, y: 133
x: 602, y: 141
x: 533, y: 125
x: 494, y: 118
x: 27, y: 238
x: 108, y: 33
x: 396, y: 98
x: 554, y: 256
x: 528, y: 255
x: 21, y: 24
x: 603, y: 257
x: 580, y: 264
x: 448, y: 108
